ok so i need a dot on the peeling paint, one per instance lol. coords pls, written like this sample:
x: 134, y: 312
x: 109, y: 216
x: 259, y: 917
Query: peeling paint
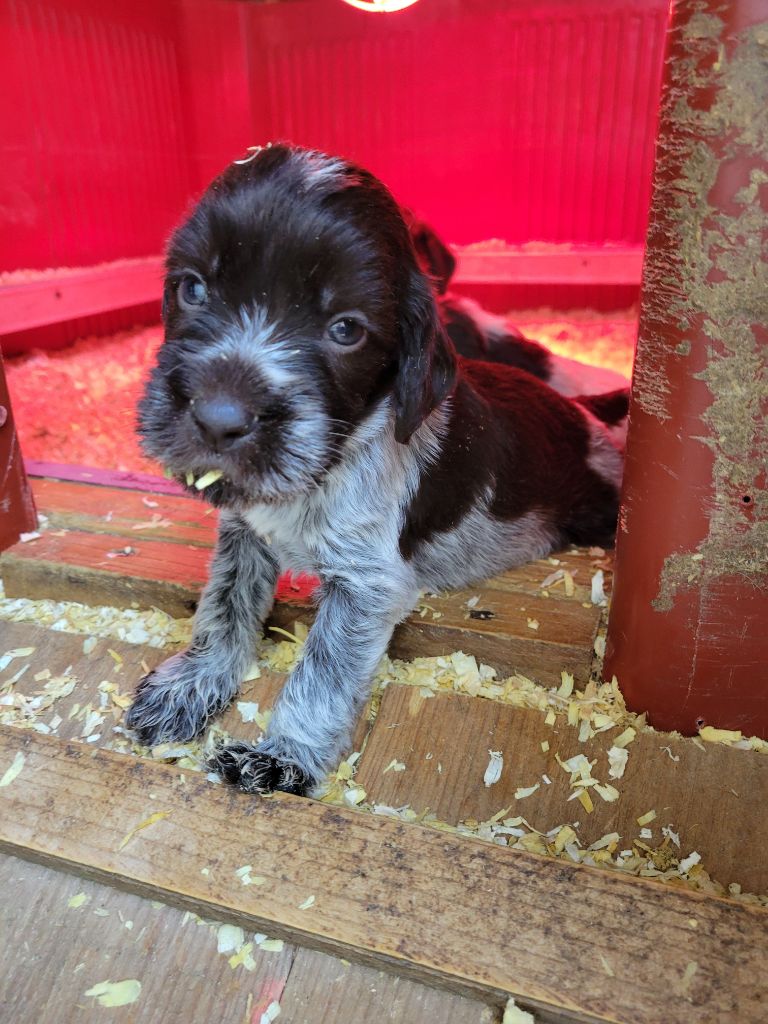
x: 707, y: 266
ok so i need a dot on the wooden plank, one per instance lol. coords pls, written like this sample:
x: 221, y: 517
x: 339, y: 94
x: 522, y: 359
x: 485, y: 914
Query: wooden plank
x: 563, y: 640
x: 103, y: 477
x: 510, y: 923
x: 54, y: 953
x: 79, y: 565
x: 97, y: 509
x: 50, y: 298
x: 713, y: 798
x: 322, y: 988
x: 563, y: 637
x: 79, y: 501
x: 619, y: 265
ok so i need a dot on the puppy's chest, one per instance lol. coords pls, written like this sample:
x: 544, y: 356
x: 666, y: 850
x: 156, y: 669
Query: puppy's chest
x: 297, y: 535
x: 314, y: 535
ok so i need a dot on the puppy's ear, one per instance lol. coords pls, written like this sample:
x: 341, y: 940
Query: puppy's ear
x: 434, y: 255
x: 426, y: 370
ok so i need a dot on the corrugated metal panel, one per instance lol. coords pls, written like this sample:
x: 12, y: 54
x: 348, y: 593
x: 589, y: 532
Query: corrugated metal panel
x: 93, y: 147
x: 493, y: 119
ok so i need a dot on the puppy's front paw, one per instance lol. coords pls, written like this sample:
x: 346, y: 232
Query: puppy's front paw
x: 255, y: 771
x: 176, y: 700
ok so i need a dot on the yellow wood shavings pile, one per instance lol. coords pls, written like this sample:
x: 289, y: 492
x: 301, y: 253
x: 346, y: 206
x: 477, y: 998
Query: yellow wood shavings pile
x: 153, y: 628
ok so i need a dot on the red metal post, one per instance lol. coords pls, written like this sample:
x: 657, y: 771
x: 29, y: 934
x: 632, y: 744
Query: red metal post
x: 688, y: 629
x: 17, y: 509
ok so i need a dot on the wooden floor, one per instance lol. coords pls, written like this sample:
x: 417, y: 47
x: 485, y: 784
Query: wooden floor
x: 457, y: 925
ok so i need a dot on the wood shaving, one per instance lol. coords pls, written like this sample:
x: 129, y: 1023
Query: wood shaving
x: 690, y: 861
x: 151, y: 820
x: 525, y: 791
x: 646, y: 819
x: 13, y: 772
x: 249, y: 710
x: 617, y: 761
x: 726, y: 736
x: 271, y: 945
x: 271, y: 1013
x: 394, y: 766
x: 494, y: 769
x: 115, y: 993
x: 625, y: 738
x: 597, y: 595
x: 207, y: 479
x: 684, y: 984
x: 243, y: 958
x: 229, y: 938
x: 514, y: 1015
x: 308, y: 902
x: 566, y: 684
x: 75, y: 902
x: 606, y: 966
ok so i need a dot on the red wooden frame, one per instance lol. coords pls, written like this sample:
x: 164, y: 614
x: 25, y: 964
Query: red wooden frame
x: 17, y: 509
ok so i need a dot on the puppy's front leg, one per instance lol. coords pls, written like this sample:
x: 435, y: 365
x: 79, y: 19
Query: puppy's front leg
x: 176, y: 700
x: 316, y: 710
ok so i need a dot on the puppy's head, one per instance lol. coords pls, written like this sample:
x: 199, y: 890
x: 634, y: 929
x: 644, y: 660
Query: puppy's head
x: 293, y: 308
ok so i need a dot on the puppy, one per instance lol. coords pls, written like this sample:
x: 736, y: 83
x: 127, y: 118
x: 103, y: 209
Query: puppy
x: 478, y: 334
x: 304, y: 361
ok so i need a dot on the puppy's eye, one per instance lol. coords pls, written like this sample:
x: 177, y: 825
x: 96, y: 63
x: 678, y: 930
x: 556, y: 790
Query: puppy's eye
x: 191, y: 291
x: 347, y: 331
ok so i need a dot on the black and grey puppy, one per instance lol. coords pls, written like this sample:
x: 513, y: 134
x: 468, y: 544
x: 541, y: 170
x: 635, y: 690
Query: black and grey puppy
x: 478, y: 334
x: 304, y: 361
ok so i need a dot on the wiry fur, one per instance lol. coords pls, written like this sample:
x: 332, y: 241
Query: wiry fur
x: 383, y: 468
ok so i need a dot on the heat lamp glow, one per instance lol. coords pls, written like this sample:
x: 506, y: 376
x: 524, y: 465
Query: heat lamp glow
x: 381, y: 6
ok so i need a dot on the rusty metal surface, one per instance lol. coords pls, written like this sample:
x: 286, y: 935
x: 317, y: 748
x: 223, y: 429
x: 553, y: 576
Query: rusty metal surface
x: 687, y: 636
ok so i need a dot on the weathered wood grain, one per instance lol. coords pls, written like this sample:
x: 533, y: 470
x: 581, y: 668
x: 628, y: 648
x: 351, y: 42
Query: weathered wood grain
x: 54, y: 953
x: 510, y: 923
x: 323, y: 988
x: 713, y: 797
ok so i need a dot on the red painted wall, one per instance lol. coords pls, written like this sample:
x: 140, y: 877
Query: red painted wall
x: 495, y: 118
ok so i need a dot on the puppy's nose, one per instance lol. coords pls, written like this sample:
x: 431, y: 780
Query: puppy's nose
x: 222, y: 420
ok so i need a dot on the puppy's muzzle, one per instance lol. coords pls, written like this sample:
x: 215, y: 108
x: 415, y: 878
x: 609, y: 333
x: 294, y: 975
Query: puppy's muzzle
x: 222, y: 420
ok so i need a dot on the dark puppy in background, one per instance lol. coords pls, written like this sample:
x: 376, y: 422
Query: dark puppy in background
x: 478, y: 334
x: 305, y: 369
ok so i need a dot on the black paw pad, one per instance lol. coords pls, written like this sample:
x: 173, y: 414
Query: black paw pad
x: 253, y: 771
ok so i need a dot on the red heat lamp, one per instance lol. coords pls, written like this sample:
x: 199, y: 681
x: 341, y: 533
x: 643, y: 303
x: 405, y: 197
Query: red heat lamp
x: 380, y: 6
